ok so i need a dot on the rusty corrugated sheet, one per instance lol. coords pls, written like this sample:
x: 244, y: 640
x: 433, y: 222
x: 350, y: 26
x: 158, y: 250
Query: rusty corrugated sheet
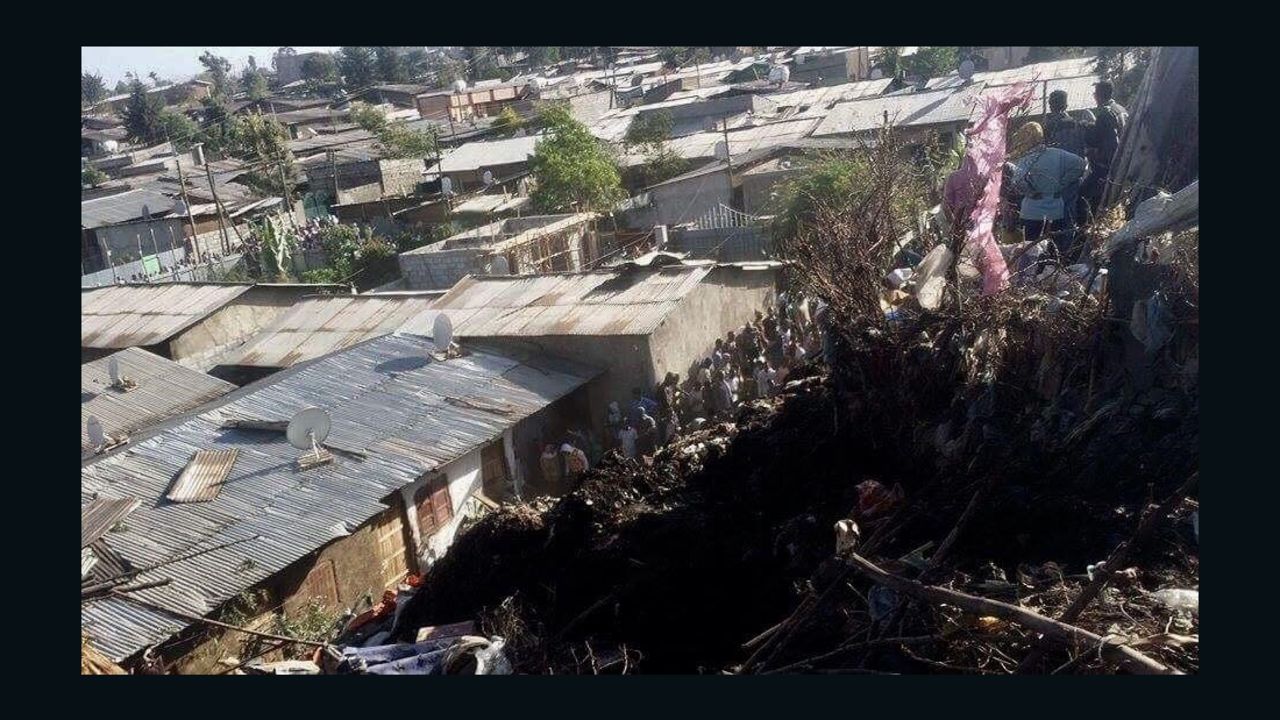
x: 164, y: 389
x: 320, y: 325
x: 123, y: 316
x: 608, y: 302
x: 202, y: 478
x: 100, y: 515
x: 386, y: 398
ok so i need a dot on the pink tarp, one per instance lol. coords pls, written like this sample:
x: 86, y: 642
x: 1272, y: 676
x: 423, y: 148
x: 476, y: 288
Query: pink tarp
x: 982, y: 166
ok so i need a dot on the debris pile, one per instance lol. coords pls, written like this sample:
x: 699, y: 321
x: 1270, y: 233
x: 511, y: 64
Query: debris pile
x: 999, y: 484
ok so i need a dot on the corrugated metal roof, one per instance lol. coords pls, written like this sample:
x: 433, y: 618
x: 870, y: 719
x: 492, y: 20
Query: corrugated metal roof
x: 591, y: 303
x: 1035, y: 72
x: 476, y: 155
x: 385, y: 397
x: 908, y: 109
x: 164, y: 389
x: 320, y: 325
x: 122, y: 207
x: 201, y: 480
x: 123, y: 316
x: 99, y: 515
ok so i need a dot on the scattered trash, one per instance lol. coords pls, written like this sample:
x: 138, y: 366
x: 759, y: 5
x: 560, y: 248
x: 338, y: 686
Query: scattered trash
x: 283, y: 667
x: 1179, y: 599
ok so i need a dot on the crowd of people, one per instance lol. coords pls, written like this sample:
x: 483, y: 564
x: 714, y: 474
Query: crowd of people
x: 748, y: 364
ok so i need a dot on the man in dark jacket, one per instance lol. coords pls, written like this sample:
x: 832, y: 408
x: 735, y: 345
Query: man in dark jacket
x: 1064, y: 132
x: 1103, y: 139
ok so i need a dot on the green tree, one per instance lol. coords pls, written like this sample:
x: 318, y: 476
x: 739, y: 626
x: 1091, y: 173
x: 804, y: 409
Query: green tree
x: 571, y: 168
x: 92, y: 177
x: 649, y: 129
x: 891, y: 63
x: 508, y: 122
x: 542, y: 55
x: 179, y: 129
x: 121, y: 88
x: 673, y: 56
x: 264, y: 142
x: 219, y: 72
x: 481, y: 64
x: 1124, y: 66
x: 662, y: 163
x: 142, y: 115
x: 219, y: 125
x: 933, y: 61
x: 391, y: 65
x: 368, y: 117
x: 320, y: 68
x: 253, y: 83
x: 92, y: 89
x: 358, y: 66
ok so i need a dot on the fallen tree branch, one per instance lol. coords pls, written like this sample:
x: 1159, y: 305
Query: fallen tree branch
x: 1125, y: 656
x: 1116, y: 561
x: 807, y: 663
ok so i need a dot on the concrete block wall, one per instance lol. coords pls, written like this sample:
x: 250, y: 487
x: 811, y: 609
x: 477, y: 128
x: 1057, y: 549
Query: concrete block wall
x: 439, y: 270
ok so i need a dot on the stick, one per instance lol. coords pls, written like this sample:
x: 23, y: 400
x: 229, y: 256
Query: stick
x: 1125, y: 656
x: 1116, y: 561
x: 216, y: 623
x: 936, y: 559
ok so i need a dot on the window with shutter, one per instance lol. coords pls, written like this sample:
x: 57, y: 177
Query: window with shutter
x: 433, y: 506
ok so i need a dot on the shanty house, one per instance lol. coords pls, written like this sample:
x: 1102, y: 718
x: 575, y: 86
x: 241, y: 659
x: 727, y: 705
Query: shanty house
x: 533, y: 244
x: 637, y: 324
x: 316, y: 326
x: 152, y: 390
x: 188, y: 323
x: 225, y: 507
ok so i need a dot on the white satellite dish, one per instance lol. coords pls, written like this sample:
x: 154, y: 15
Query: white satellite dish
x: 442, y: 333
x: 97, y: 437
x: 446, y: 186
x: 966, y: 69
x: 459, y: 85
x: 487, y: 177
x: 779, y: 74
x: 113, y: 370
x: 501, y: 266
x: 308, y: 429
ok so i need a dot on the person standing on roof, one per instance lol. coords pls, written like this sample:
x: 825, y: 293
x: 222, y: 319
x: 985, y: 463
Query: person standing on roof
x: 1102, y: 140
x: 1043, y: 176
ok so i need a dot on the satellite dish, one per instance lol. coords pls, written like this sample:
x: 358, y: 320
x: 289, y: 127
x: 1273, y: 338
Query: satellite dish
x: 97, y: 437
x: 487, y: 177
x: 113, y: 369
x: 966, y: 69
x: 500, y: 266
x: 308, y: 429
x: 446, y: 186
x: 779, y: 74
x: 459, y: 85
x: 442, y: 332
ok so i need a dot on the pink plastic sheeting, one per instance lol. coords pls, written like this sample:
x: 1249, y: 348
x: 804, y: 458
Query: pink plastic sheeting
x: 982, y: 167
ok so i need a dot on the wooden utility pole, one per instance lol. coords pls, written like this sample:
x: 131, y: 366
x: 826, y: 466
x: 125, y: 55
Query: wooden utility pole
x: 182, y: 185
x: 222, y: 228
x: 333, y: 168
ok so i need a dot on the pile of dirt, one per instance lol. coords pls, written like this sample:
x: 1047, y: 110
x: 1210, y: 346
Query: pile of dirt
x: 863, y: 521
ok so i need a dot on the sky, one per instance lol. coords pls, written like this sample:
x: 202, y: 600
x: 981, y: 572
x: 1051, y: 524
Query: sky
x: 170, y: 63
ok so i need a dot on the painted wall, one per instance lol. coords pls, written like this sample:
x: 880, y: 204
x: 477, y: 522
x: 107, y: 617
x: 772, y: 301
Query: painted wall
x: 464, y: 479
x: 686, y: 200
x: 726, y: 300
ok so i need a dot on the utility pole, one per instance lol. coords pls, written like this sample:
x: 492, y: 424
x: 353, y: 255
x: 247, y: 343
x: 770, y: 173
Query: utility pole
x: 222, y: 228
x: 333, y: 168
x: 182, y: 185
